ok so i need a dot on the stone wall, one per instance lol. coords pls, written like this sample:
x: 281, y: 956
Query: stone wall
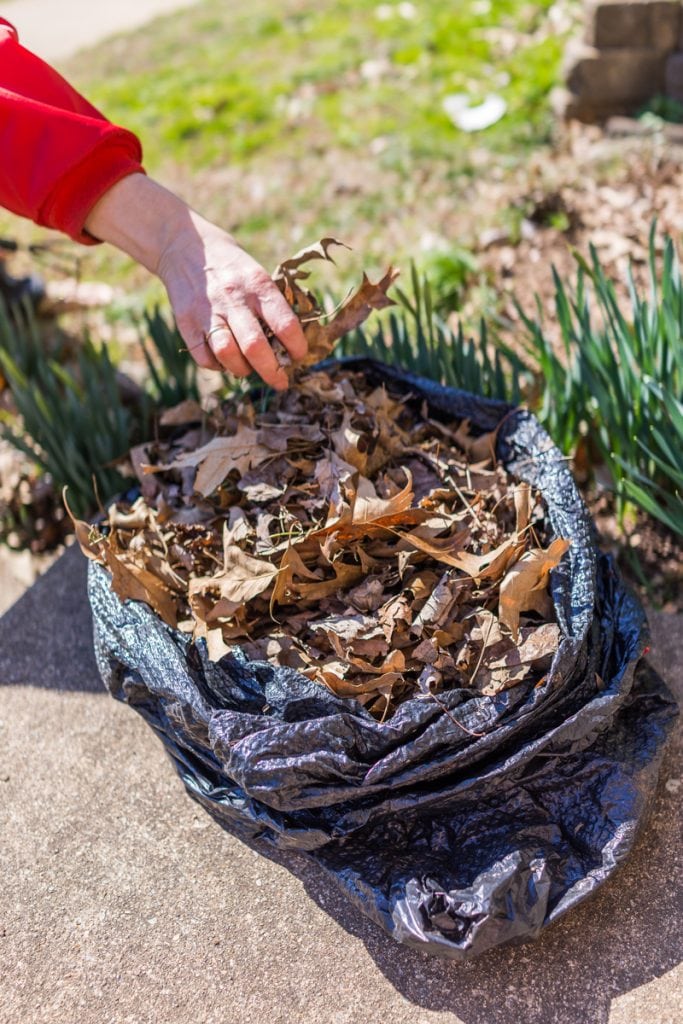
x: 632, y: 51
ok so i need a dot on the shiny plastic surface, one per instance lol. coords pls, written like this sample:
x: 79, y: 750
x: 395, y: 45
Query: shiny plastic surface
x: 453, y: 842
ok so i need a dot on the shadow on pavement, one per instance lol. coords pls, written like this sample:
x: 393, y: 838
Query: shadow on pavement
x: 629, y: 934
x: 46, y: 637
x: 626, y: 936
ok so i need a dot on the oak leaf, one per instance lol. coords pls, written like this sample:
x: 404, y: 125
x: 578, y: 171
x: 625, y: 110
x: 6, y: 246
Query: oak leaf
x: 215, y: 460
x: 524, y: 586
x: 242, y: 578
x: 367, y: 297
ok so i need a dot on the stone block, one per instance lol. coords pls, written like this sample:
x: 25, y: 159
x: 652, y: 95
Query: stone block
x: 617, y: 25
x: 622, y: 76
x: 673, y: 133
x: 571, y: 108
x: 628, y: 24
x: 665, y: 23
x: 674, y: 77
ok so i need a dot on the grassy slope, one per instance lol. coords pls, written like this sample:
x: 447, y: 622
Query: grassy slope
x: 269, y: 118
x: 227, y: 81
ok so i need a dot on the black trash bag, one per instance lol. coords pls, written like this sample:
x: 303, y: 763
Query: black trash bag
x: 454, y: 831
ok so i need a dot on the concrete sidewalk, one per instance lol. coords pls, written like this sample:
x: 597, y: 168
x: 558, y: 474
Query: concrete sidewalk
x: 122, y: 901
x: 55, y: 31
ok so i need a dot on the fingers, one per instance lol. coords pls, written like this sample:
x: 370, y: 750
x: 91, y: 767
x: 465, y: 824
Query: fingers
x: 222, y: 286
x: 241, y: 347
x: 274, y: 310
x: 201, y: 353
x: 222, y: 343
x: 255, y: 348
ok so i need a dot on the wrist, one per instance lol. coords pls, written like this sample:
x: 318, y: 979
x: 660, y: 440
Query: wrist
x: 141, y: 218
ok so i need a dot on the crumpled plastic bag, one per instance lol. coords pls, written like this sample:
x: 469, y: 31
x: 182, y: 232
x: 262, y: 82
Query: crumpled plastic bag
x: 453, y: 838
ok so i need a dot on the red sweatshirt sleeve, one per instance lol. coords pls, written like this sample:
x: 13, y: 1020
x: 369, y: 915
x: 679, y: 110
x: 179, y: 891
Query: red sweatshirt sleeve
x: 59, y: 154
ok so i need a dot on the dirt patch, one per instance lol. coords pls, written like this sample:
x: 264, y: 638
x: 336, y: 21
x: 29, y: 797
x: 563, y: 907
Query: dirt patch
x: 592, y: 191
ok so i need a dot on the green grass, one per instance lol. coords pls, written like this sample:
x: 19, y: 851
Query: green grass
x: 618, y: 385
x: 74, y: 422
x: 225, y: 81
x: 267, y: 117
x: 414, y: 336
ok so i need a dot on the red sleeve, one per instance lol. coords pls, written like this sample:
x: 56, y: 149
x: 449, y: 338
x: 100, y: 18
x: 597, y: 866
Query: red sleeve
x: 60, y: 155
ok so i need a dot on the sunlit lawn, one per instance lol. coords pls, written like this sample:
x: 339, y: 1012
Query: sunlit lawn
x: 225, y: 81
x: 288, y: 119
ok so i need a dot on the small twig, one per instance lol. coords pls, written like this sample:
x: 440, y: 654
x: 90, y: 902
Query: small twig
x: 435, y: 463
x: 464, y: 501
x: 97, y: 495
x: 531, y: 461
x: 483, y: 650
x: 453, y: 718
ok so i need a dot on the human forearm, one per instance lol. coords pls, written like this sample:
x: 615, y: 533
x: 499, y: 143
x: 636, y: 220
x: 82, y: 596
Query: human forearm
x: 221, y: 297
x: 68, y: 168
x: 141, y: 217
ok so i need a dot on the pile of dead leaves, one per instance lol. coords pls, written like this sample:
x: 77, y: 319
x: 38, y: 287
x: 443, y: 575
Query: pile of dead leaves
x: 343, y: 533
x: 339, y: 530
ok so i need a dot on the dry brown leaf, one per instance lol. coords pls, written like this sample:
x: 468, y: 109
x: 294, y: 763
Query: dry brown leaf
x: 344, y: 577
x: 536, y: 643
x: 352, y: 313
x: 480, y: 567
x: 368, y: 596
x: 330, y: 472
x: 216, y: 645
x: 395, y: 661
x: 509, y: 663
x: 453, y: 633
x: 487, y: 629
x: 215, y: 460
x: 394, y: 615
x: 242, y: 578
x: 346, y: 441
x: 136, y: 519
x: 492, y: 564
x: 525, y: 584
x: 291, y: 567
x: 139, y: 459
x: 135, y: 583
x: 438, y: 606
x: 346, y: 688
x: 348, y: 627
x: 426, y: 651
x: 90, y: 540
x: 368, y: 507
x: 479, y: 449
x: 368, y: 296
x: 236, y: 527
x: 188, y: 411
x: 288, y: 274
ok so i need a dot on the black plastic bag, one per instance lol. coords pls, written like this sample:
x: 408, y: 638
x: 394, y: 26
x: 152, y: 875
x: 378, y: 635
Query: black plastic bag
x: 454, y: 837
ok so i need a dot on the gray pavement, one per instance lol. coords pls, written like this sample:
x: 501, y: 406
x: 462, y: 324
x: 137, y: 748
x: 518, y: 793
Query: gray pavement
x: 122, y: 901
x: 58, y: 30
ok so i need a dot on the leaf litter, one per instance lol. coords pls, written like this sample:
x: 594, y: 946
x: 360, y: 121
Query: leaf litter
x: 338, y: 529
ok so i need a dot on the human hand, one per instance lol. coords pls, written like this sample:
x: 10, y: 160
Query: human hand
x: 221, y: 297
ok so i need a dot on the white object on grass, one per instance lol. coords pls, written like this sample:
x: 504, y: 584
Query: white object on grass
x: 468, y: 118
